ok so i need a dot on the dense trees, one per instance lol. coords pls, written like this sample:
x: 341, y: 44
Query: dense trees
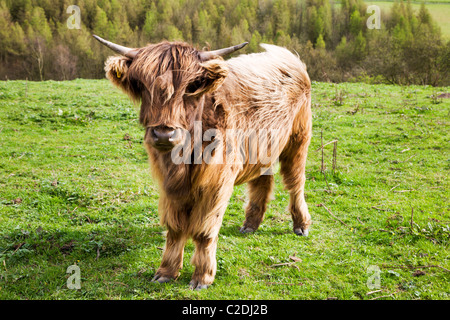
x: 334, y: 40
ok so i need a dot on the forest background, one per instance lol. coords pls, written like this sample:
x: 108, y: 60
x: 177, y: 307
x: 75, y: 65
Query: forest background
x: 47, y: 39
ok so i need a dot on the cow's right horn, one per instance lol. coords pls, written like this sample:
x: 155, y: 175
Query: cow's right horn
x: 127, y: 52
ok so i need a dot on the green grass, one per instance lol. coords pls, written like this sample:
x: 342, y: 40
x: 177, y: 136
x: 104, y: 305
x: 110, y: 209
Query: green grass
x: 439, y: 11
x: 75, y: 188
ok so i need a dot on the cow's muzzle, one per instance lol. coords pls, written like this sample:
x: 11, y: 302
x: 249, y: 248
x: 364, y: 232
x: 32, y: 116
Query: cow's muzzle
x: 165, y: 138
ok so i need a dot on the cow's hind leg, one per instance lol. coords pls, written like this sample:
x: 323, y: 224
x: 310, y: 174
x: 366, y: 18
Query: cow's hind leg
x: 293, y: 161
x: 172, y: 260
x: 259, y: 194
x: 293, y: 171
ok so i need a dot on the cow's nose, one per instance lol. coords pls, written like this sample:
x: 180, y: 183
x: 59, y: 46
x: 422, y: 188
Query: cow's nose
x: 163, y: 136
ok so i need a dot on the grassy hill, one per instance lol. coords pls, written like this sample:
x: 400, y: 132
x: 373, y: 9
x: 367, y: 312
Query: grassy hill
x: 75, y: 188
x: 439, y: 10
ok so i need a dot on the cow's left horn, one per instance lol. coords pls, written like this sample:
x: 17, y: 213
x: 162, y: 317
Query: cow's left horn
x: 127, y: 52
x: 208, y: 55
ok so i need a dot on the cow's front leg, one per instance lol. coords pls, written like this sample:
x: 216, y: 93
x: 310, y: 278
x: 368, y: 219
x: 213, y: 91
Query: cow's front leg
x: 172, y: 260
x: 204, y: 260
x: 205, y: 222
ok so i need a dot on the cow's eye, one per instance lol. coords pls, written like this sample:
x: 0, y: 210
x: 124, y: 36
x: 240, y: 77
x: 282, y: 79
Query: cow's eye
x: 194, y: 86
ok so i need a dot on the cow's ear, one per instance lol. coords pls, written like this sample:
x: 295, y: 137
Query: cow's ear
x: 117, y: 71
x: 214, y: 73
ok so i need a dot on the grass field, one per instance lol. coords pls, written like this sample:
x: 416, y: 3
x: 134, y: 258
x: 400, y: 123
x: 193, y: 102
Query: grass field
x: 439, y: 11
x: 75, y: 189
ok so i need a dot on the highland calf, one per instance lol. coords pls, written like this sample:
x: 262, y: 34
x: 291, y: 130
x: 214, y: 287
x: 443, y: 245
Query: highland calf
x: 201, y: 115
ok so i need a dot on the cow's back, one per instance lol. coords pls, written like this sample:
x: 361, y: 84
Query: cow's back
x: 264, y: 91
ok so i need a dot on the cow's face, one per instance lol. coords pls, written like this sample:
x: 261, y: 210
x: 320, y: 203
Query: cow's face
x: 170, y: 80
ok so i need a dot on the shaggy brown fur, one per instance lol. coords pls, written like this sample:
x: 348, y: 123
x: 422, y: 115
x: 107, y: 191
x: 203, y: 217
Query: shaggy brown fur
x: 264, y: 91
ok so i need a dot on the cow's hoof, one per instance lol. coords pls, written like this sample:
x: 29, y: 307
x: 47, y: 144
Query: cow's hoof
x: 195, y: 285
x: 301, y: 232
x: 161, y: 279
x: 246, y: 230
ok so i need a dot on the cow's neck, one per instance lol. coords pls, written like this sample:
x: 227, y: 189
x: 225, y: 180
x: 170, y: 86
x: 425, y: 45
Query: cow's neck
x: 177, y: 178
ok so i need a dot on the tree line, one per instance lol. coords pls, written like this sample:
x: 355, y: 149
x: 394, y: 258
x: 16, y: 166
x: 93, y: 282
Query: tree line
x: 38, y: 43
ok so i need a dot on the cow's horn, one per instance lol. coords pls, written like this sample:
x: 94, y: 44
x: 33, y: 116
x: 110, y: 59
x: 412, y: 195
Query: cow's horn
x: 127, y: 52
x: 207, y: 55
